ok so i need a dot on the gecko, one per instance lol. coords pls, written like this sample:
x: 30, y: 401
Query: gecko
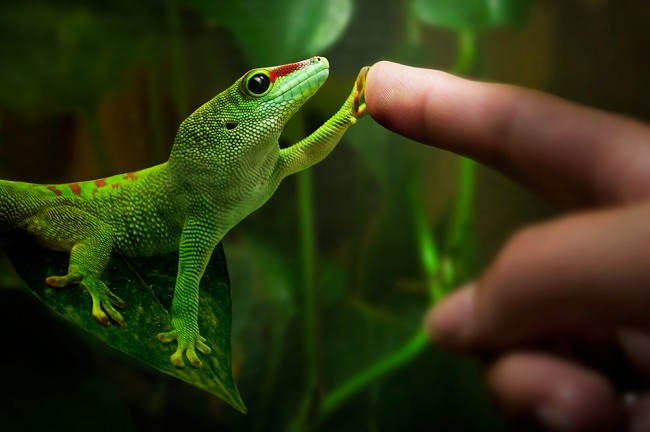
x: 224, y: 164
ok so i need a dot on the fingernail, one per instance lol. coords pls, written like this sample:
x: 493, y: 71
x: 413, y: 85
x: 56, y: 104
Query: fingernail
x: 448, y: 321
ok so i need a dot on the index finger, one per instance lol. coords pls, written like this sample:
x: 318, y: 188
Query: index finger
x: 572, y: 155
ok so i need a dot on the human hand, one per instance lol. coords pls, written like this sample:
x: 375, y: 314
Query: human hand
x: 576, y: 285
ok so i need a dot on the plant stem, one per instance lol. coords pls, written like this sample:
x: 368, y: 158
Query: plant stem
x: 308, y: 259
x: 429, y: 259
x: 466, y: 52
x: 366, y: 377
x: 462, y: 211
x: 438, y: 275
x: 278, y: 336
x: 431, y: 267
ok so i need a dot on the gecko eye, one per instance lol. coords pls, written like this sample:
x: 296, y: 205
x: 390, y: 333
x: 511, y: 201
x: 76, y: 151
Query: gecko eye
x: 258, y: 84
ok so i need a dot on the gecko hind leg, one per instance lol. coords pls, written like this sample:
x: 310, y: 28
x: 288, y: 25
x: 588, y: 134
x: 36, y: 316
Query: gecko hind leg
x: 89, y: 242
x: 103, y: 300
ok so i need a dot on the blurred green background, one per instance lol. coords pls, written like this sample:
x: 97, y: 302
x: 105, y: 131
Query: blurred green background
x: 332, y: 278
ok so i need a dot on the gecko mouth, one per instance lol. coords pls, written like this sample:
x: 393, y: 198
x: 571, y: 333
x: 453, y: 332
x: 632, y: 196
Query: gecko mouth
x: 300, y: 80
x: 295, y: 97
x: 305, y: 88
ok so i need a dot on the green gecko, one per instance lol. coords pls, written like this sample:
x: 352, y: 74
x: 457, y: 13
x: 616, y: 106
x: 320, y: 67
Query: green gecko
x: 224, y: 164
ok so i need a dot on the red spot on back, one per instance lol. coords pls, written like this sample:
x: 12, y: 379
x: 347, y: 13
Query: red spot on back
x: 130, y: 176
x: 55, y: 190
x: 115, y: 185
x: 75, y: 188
x: 285, y: 70
x: 100, y: 182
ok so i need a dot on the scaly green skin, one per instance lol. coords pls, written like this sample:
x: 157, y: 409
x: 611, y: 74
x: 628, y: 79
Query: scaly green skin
x: 224, y: 164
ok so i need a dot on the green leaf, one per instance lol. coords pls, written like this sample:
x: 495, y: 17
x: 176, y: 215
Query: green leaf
x: 273, y: 32
x: 470, y: 14
x: 58, y: 58
x: 146, y: 285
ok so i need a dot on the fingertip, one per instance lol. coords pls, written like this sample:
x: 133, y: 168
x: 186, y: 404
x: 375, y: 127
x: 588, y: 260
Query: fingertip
x: 449, y: 322
x: 431, y: 106
x: 380, y: 89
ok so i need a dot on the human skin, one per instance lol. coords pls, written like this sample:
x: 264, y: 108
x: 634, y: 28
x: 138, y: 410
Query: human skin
x: 563, y: 296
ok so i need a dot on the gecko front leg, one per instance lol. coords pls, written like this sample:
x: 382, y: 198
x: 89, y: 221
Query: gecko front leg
x: 196, y: 247
x: 322, y: 141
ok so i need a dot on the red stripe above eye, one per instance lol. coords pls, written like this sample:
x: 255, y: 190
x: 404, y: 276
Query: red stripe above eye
x: 285, y: 70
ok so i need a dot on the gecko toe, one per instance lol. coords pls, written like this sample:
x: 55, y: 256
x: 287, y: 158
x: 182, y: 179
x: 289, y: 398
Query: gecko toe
x: 100, y: 315
x: 167, y: 337
x: 114, y: 314
x: 177, y: 359
x: 115, y: 300
x: 201, y: 346
x: 193, y: 358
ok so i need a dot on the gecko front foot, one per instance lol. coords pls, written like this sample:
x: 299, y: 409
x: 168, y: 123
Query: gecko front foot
x: 359, y: 92
x: 355, y: 105
x: 188, y: 342
x: 103, y: 299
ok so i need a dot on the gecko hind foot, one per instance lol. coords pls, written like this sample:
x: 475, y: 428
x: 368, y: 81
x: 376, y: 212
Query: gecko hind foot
x: 102, y: 298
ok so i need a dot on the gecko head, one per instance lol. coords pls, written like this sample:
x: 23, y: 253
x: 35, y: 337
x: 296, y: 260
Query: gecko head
x: 264, y: 99
x: 249, y: 115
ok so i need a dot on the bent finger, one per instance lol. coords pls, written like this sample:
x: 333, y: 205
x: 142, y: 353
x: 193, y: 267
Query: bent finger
x: 574, y: 274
